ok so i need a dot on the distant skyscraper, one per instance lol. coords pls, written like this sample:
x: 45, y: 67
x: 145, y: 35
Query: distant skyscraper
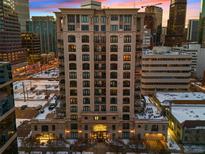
x: 45, y: 27
x: 92, y: 4
x: 157, y: 11
x: 176, y: 23
x: 22, y: 9
x: 8, y: 136
x: 10, y: 41
x: 202, y: 25
x: 31, y: 42
x: 192, y: 35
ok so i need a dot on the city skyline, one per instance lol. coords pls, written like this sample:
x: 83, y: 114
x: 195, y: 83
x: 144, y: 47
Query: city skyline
x: 47, y: 7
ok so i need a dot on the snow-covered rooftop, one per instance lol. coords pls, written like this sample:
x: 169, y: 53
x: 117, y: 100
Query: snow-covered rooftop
x: 151, y: 111
x: 165, y: 97
x: 188, y: 112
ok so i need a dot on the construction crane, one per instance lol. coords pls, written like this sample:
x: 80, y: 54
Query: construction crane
x: 146, y: 5
x: 151, y: 5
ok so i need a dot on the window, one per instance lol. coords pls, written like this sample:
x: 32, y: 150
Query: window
x: 114, y: 18
x: 154, y: 128
x: 86, y: 66
x: 113, y: 66
x: 113, y: 108
x: 113, y: 83
x: 86, y: 92
x: 127, y: 39
x: 113, y: 48
x: 127, y: 57
x: 103, y: 108
x: 73, y: 101
x: 84, y: 19
x: 146, y: 127
x: 72, y: 57
x: 71, y: 27
x: 71, y: 38
x: 125, y: 135
x: 73, y: 75
x: 126, y: 109
x: 96, y: 28
x: 86, y: 75
x: 126, y: 83
x: 73, y: 126
x: 73, y: 83
x: 96, y: 108
x: 85, y: 48
x: 126, y: 100
x: 126, y: 75
x: 113, y: 75
x: 85, y: 127
x: 85, y: 57
x: 126, y: 117
x: 126, y: 66
x: 44, y: 128
x: 113, y: 127
x: 53, y: 127
x: 127, y: 27
x: 127, y: 19
x: 71, y: 48
x: 126, y: 126
x: 113, y: 92
x: 73, y: 117
x: 114, y: 39
x: 96, y: 19
x: 86, y: 100
x: 114, y: 28
x: 73, y: 109
x: 74, y: 135
x: 35, y: 128
x: 138, y: 24
x: 73, y: 92
x: 113, y: 100
x: 103, y: 28
x: 85, y: 27
x: 127, y: 48
x: 103, y: 19
x: 86, y: 108
x: 126, y: 92
x: 72, y: 66
x: 71, y: 18
x: 85, y: 39
x: 86, y: 83
x: 113, y: 57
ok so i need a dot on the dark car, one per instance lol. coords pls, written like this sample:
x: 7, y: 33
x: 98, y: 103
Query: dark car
x: 51, y: 107
x: 23, y: 107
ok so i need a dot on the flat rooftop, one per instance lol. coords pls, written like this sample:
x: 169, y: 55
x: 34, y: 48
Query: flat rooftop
x: 151, y: 112
x: 188, y: 112
x: 166, y: 97
x: 164, y: 51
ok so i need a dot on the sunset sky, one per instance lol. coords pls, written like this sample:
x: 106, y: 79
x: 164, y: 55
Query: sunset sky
x: 46, y: 7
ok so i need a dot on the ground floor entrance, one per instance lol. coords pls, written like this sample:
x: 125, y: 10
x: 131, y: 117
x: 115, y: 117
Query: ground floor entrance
x: 99, y: 132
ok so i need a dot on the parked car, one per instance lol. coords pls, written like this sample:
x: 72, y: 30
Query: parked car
x: 42, y: 111
x: 38, y: 107
x: 23, y: 107
x: 51, y: 107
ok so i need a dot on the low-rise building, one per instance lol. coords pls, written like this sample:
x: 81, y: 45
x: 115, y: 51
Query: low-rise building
x: 165, y: 70
x: 186, y: 114
x: 151, y: 124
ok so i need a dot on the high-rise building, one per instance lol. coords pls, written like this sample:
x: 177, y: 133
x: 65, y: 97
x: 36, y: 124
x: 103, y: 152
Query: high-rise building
x: 165, y: 70
x: 192, y: 35
x: 8, y: 135
x: 10, y: 41
x: 97, y: 52
x: 158, y: 12
x: 45, y: 27
x: 22, y: 9
x: 202, y: 26
x: 91, y: 4
x: 176, y: 23
x: 31, y: 42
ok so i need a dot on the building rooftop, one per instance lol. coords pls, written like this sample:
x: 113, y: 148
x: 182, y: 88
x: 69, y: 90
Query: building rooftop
x: 188, y: 112
x: 151, y: 112
x: 166, y: 97
x: 163, y: 50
